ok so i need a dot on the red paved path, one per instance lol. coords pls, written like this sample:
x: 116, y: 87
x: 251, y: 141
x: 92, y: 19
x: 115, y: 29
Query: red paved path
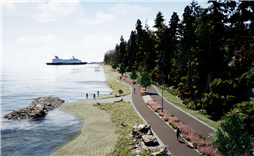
x: 163, y: 131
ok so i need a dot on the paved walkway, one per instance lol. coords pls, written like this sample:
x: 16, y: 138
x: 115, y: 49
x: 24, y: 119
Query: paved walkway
x: 163, y: 131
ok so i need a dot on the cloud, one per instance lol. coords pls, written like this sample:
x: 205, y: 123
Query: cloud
x: 31, y: 40
x: 99, y: 41
x: 43, y: 12
x: 100, y: 18
x: 26, y: 40
x: 123, y: 8
x: 9, y: 6
x: 28, y: 51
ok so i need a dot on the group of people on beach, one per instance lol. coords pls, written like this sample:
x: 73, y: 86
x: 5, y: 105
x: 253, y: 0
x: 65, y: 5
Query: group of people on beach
x: 93, y: 95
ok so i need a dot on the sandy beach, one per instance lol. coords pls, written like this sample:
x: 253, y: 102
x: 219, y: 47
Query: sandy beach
x: 98, y: 134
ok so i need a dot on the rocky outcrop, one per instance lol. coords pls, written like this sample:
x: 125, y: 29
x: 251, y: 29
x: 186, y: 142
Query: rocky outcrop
x: 38, y: 108
x: 147, y: 141
x: 139, y: 130
x: 150, y: 140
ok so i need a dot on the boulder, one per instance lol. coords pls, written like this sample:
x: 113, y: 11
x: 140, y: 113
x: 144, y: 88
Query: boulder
x: 139, y: 130
x: 150, y: 140
x: 38, y: 108
x: 48, y: 102
x: 140, y: 147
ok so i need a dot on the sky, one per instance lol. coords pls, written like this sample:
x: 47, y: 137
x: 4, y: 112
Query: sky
x: 33, y: 32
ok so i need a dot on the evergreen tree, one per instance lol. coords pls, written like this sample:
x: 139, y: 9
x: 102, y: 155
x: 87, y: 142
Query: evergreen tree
x: 133, y: 75
x: 216, y: 61
x: 189, y: 39
x: 140, y: 52
x: 114, y: 66
x: 116, y: 55
x: 172, y: 43
x: 158, y: 21
x: 122, y: 69
x: 132, y: 48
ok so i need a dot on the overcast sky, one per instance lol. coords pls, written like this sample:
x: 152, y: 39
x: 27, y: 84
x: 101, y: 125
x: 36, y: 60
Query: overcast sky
x: 37, y: 31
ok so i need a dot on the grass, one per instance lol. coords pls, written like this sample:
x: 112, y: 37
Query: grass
x: 123, y: 113
x: 115, y: 86
x: 97, y: 136
x: 179, y: 103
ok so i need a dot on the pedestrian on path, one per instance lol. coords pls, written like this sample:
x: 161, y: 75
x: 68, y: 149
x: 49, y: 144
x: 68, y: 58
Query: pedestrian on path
x: 94, y: 96
x: 134, y: 90
x: 98, y: 93
x: 177, y: 134
x: 87, y: 95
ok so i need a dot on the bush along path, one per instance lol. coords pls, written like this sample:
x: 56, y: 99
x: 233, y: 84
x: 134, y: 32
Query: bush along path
x: 203, y: 146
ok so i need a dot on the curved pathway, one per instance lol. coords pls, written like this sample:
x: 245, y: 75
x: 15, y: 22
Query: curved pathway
x: 163, y: 131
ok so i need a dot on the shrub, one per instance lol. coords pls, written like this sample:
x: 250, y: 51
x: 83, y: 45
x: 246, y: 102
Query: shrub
x: 120, y: 91
x: 186, y: 131
x: 172, y: 125
x: 173, y: 119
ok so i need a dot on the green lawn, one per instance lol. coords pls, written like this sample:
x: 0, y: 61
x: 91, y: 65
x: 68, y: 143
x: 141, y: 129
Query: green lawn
x: 115, y: 86
x: 179, y: 103
x: 123, y: 112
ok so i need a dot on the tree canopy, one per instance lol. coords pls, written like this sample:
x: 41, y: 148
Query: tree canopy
x: 122, y: 69
x: 133, y: 75
x: 145, y: 80
x: 231, y: 138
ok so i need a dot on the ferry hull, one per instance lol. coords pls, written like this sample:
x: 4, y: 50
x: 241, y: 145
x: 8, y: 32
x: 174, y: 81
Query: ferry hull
x: 83, y: 63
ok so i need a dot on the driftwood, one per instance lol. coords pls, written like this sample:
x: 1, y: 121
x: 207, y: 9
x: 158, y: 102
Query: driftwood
x: 118, y: 101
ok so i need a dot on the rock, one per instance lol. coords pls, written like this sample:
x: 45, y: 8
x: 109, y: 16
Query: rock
x: 140, y: 146
x: 48, y: 101
x: 139, y: 130
x: 150, y: 140
x: 38, y: 108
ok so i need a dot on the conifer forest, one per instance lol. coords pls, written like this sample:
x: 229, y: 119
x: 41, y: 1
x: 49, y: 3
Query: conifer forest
x: 207, y: 59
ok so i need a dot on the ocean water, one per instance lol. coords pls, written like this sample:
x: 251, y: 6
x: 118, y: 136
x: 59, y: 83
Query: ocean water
x: 43, y: 136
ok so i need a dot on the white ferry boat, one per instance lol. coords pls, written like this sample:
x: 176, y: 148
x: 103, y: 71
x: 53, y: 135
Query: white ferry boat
x: 72, y: 61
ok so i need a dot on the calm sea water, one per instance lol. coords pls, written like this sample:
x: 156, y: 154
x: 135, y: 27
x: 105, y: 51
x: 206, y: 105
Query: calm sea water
x: 45, y: 135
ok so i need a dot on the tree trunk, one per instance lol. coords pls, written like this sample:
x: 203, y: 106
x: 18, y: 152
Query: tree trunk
x: 189, y: 68
x: 209, y: 75
x: 209, y: 79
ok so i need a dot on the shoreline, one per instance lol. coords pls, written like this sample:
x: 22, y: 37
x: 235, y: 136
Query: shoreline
x: 89, y: 138
x: 98, y: 133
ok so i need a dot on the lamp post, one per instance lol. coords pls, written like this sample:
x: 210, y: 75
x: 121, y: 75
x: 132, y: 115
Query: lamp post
x: 162, y: 96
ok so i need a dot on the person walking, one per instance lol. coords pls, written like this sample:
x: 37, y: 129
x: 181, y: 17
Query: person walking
x: 94, y: 96
x: 87, y: 95
x: 177, y: 134
x: 134, y: 90
x: 98, y: 93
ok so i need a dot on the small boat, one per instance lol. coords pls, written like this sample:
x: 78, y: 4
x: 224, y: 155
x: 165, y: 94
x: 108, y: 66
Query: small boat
x: 73, y: 61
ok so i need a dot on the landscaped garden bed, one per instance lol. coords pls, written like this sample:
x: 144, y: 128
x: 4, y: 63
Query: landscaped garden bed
x: 203, y: 146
